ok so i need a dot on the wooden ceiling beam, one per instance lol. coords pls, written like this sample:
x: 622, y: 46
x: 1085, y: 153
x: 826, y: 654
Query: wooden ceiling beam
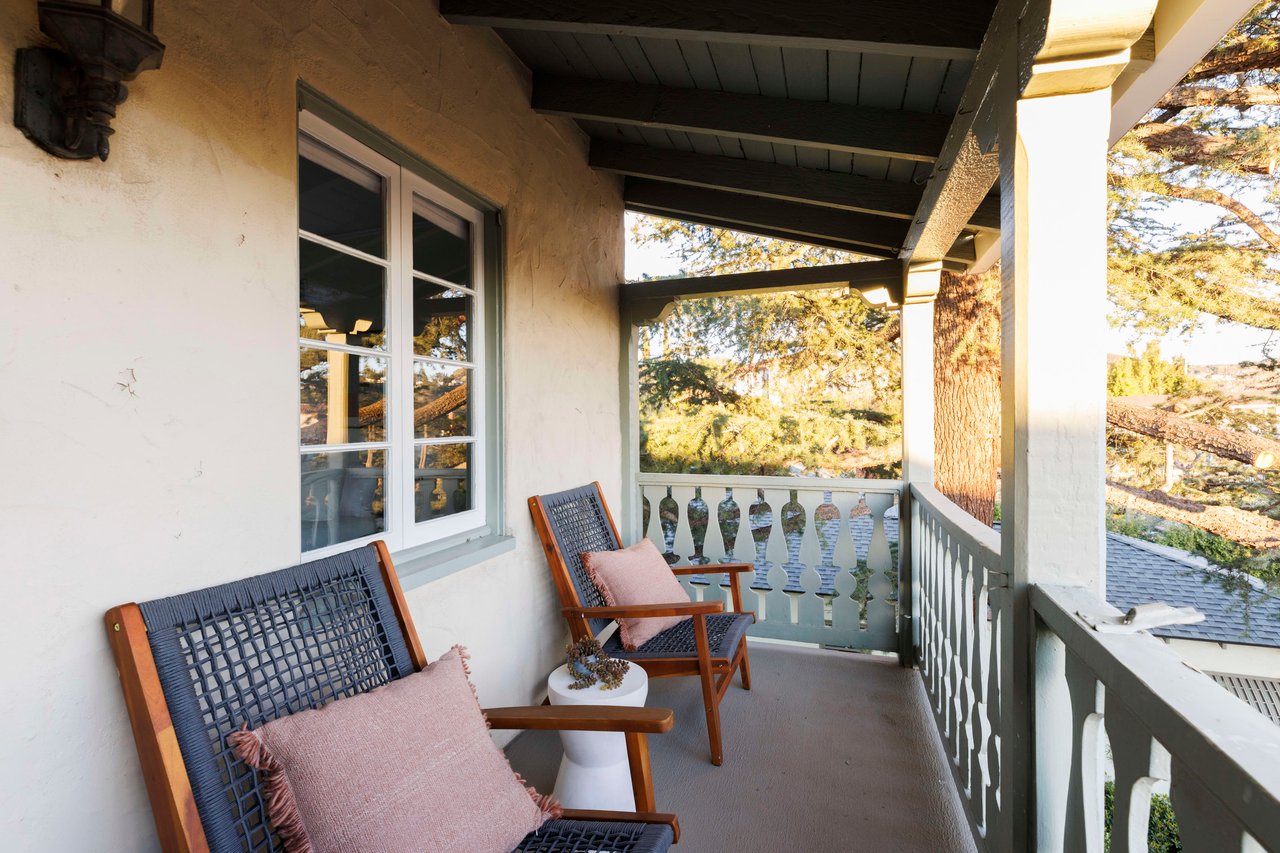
x: 816, y: 124
x: 801, y: 220
x: 841, y: 190
x: 767, y: 231
x: 936, y: 28
x: 855, y: 275
x: 769, y: 180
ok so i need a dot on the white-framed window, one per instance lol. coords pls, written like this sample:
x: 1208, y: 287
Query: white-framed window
x: 392, y: 373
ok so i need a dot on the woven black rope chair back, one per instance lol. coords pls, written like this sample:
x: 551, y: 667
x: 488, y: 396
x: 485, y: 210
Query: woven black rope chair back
x: 258, y: 649
x: 580, y: 524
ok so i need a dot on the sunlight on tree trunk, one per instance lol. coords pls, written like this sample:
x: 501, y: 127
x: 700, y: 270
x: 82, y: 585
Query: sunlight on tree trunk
x: 966, y: 364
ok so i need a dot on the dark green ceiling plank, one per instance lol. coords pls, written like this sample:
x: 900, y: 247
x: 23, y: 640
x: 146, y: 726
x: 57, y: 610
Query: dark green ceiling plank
x: 836, y: 127
x: 941, y: 28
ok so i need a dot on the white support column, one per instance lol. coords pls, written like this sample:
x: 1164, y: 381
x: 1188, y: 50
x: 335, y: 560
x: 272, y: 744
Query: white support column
x: 1055, y: 116
x: 919, y: 289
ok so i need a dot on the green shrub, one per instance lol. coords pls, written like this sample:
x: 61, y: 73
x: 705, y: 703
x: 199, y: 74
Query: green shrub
x: 1162, y: 828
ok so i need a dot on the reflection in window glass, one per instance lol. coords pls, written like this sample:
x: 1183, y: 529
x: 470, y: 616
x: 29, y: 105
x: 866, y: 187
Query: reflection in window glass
x: 340, y: 200
x: 442, y: 480
x: 440, y: 321
x: 342, y: 496
x: 440, y: 400
x: 441, y: 242
x: 340, y: 298
x: 342, y: 397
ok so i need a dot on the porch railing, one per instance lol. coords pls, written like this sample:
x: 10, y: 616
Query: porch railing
x: 963, y: 607
x: 1165, y: 724
x: 825, y: 550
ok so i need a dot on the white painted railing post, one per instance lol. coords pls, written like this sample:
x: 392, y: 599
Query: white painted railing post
x: 919, y: 289
x: 1053, y: 116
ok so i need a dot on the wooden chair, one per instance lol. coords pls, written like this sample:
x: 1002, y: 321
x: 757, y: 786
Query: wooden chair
x: 712, y: 645
x: 194, y: 667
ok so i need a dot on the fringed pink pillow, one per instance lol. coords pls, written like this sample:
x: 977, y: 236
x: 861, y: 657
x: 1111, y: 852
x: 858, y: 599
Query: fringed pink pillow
x: 636, y: 575
x: 406, y: 766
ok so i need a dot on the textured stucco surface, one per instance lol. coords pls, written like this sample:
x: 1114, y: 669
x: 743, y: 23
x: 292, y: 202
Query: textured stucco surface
x: 147, y: 361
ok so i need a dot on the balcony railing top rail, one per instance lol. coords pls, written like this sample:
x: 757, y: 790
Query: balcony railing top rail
x: 1165, y: 722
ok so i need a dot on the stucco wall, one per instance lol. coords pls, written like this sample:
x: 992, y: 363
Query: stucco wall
x: 148, y: 364
x: 1228, y: 657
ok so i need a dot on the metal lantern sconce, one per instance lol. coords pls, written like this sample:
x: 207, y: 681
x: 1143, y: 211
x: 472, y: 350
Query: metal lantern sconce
x: 64, y: 100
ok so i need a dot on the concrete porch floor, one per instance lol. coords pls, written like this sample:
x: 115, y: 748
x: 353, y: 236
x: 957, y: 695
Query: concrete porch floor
x: 829, y: 751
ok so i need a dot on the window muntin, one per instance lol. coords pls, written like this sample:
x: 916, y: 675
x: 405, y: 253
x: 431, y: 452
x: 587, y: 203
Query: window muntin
x: 390, y: 384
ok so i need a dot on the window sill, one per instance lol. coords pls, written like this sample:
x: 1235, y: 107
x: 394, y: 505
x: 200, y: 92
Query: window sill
x: 419, y: 566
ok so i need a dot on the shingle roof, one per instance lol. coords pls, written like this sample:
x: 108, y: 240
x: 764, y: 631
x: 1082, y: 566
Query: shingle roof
x: 1237, y: 608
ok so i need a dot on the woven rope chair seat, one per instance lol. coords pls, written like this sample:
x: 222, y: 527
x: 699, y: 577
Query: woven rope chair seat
x: 576, y: 836
x: 724, y: 630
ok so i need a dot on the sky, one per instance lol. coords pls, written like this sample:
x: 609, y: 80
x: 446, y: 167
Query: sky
x: 1214, y: 342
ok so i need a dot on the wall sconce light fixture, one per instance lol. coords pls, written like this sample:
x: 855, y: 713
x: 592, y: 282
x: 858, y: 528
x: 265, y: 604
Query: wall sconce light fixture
x: 64, y: 100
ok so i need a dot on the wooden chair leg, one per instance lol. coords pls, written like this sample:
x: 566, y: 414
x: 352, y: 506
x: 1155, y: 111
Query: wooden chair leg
x: 710, y: 699
x: 746, y: 666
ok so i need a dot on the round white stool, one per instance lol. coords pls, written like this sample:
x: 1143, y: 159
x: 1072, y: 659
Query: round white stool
x: 594, y: 773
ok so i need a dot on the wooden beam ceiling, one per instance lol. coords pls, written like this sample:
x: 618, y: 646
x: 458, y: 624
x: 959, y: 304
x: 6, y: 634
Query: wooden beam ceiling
x: 800, y: 220
x: 861, y: 275
x: 818, y: 124
x: 938, y: 28
x: 897, y: 199
x: 769, y: 180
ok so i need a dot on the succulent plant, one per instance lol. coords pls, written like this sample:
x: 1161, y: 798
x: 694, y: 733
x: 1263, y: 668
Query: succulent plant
x: 590, y: 663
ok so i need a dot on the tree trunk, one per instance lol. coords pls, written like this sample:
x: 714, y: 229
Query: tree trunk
x: 966, y: 391
x: 1238, y: 525
x: 1229, y: 443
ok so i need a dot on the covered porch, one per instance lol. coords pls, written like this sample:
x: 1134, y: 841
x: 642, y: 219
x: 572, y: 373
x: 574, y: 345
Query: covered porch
x: 921, y: 136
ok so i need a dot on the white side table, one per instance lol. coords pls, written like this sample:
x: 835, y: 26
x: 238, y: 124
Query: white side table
x: 594, y: 773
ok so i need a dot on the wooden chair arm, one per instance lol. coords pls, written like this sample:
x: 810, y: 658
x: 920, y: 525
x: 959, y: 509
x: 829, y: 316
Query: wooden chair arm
x: 713, y: 568
x: 582, y: 718
x: 636, y: 724
x: 641, y: 611
x: 625, y: 817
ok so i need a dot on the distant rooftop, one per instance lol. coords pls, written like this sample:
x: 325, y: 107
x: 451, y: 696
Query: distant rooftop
x: 1237, y: 607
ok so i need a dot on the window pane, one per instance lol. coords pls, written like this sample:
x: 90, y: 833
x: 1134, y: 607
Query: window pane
x: 341, y: 200
x: 441, y: 321
x: 441, y: 400
x: 342, y: 496
x: 343, y: 397
x: 340, y: 298
x: 442, y: 480
x: 441, y: 242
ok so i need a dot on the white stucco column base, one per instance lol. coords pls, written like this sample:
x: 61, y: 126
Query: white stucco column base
x: 594, y: 773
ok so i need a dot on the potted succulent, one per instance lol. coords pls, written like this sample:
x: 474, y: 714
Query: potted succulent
x: 589, y: 663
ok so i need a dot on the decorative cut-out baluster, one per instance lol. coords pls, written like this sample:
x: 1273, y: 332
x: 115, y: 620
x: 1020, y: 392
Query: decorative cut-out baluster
x: 844, y: 609
x: 1203, y: 821
x: 669, y: 518
x: 1140, y: 763
x: 777, y: 607
x: 793, y: 524
x: 644, y: 514
x: 860, y: 529
x: 698, y: 518
x: 811, y: 605
x: 760, y: 515
x: 826, y: 534
x: 729, y: 517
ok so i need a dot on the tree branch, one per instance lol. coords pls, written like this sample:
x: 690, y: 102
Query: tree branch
x: 1250, y: 55
x: 1238, y: 525
x: 1183, y: 144
x: 1233, y: 444
x: 1238, y: 209
x: 1185, y: 97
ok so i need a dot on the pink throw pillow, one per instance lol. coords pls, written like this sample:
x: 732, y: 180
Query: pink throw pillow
x: 636, y: 575
x: 407, y: 766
